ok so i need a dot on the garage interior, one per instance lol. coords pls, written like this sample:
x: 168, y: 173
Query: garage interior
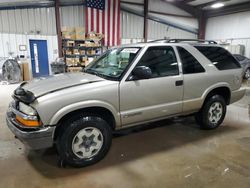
x: 168, y: 153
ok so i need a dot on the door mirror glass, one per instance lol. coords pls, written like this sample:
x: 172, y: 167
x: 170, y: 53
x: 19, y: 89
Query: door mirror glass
x: 141, y: 72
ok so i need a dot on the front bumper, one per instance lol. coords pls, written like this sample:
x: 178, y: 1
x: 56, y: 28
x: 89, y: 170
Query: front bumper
x: 34, y: 139
x: 237, y: 95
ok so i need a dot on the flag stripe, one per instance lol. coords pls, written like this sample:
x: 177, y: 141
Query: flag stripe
x: 108, y: 18
x: 113, y: 21
x: 118, y: 22
x: 106, y: 25
x: 86, y: 20
x: 92, y: 19
x: 97, y: 22
x: 103, y: 16
x: 103, y: 23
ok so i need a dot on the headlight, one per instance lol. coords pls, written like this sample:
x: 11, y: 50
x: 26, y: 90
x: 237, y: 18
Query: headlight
x: 27, y: 109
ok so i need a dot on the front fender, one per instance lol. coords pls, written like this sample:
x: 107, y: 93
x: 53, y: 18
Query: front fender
x: 85, y: 104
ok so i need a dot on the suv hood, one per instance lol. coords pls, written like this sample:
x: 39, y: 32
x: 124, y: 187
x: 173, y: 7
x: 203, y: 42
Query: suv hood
x: 53, y: 83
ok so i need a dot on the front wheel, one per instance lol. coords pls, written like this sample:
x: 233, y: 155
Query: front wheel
x: 247, y: 74
x: 212, y: 113
x: 84, y: 140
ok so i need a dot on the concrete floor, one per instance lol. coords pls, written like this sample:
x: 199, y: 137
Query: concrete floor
x: 171, y: 153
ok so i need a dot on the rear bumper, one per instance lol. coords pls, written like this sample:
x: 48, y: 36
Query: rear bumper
x: 34, y: 139
x: 237, y: 95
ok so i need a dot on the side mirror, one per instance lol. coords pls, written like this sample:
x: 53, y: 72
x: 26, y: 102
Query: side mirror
x: 142, y: 72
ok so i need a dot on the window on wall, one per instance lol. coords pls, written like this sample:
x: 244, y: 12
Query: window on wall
x: 220, y: 57
x: 190, y: 64
x: 161, y: 60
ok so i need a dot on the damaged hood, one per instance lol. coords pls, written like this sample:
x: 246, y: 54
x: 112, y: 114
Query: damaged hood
x: 46, y: 85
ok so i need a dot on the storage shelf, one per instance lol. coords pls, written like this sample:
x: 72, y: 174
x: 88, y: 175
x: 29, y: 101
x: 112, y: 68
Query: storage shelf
x: 79, y: 55
x: 75, y: 66
x: 75, y: 48
x: 82, y: 47
x: 77, y: 40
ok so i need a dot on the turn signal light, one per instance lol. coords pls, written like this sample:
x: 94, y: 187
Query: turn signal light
x: 28, y: 123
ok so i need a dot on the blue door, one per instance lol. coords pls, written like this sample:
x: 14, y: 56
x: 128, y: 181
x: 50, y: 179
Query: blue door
x: 39, y: 58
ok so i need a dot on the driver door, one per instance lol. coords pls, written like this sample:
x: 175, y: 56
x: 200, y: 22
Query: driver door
x: 161, y: 95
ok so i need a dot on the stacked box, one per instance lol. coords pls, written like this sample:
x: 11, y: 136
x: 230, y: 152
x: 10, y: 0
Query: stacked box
x: 90, y: 52
x: 76, y: 51
x: 70, y: 43
x: 68, y: 33
x: 74, y: 69
x: 76, y: 61
x: 80, y: 33
x: 82, y: 52
x: 68, y: 52
x: 70, y: 61
x: 91, y: 35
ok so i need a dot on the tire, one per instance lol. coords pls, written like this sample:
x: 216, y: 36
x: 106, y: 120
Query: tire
x: 212, y: 113
x: 247, y: 74
x: 84, y: 140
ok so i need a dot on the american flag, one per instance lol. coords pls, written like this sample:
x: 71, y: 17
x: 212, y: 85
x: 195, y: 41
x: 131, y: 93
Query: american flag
x: 103, y: 16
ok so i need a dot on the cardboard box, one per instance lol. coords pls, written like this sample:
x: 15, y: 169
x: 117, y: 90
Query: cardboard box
x: 21, y: 67
x: 68, y: 52
x: 76, y: 51
x: 70, y: 61
x: 91, y: 52
x: 74, y: 69
x: 91, y: 35
x: 68, y: 33
x: 80, y: 33
x: 26, y: 72
x: 70, y: 43
x: 81, y: 45
x: 82, y: 52
x: 76, y: 61
x: 99, y: 36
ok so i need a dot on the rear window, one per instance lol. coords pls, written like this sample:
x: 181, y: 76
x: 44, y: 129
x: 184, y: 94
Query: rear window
x: 220, y: 57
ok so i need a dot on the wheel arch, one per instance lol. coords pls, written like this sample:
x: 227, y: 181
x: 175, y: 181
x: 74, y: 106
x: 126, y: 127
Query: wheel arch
x: 223, y: 91
x: 97, y: 110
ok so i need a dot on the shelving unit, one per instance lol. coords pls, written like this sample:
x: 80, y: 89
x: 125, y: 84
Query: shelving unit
x: 78, y: 53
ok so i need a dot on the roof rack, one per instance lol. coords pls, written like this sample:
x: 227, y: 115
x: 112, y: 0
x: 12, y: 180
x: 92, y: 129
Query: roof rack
x: 158, y: 40
x: 190, y: 40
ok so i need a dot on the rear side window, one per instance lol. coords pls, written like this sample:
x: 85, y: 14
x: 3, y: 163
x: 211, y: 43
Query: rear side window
x: 190, y: 64
x: 220, y: 57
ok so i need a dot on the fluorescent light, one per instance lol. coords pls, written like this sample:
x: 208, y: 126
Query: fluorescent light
x: 217, y: 5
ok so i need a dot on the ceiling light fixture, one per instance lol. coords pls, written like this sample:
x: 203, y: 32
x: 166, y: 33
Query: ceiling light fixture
x: 217, y: 5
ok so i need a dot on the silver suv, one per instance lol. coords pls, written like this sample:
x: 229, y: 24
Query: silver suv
x: 126, y: 86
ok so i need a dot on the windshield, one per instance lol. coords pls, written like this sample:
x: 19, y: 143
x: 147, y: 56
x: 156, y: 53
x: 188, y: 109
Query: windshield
x: 113, y: 63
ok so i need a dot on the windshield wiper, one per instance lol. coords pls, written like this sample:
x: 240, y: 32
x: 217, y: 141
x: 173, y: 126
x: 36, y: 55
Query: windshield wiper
x: 94, y: 72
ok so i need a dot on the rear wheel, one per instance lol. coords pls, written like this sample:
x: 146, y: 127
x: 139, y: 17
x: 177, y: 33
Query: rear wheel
x: 84, y: 140
x: 212, y: 113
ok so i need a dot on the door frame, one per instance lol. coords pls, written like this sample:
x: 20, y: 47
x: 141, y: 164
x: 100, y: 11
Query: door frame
x: 31, y: 69
x: 127, y: 74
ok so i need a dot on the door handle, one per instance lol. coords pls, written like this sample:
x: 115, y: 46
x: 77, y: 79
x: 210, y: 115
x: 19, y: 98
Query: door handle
x: 179, y: 83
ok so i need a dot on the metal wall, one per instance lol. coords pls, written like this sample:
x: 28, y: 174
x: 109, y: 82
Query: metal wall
x: 72, y: 16
x: 233, y: 29
x: 28, y: 21
x: 19, y: 25
x: 157, y: 30
x: 131, y: 26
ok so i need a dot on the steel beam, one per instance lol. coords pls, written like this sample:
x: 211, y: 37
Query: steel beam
x: 145, y: 29
x: 202, y: 20
x: 58, y: 27
x: 168, y: 14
